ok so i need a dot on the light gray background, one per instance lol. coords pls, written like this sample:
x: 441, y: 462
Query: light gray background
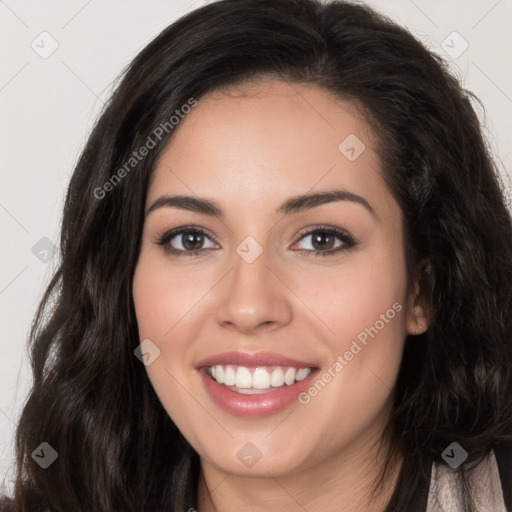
x: 48, y: 106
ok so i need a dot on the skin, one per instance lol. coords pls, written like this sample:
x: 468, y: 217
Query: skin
x: 250, y: 150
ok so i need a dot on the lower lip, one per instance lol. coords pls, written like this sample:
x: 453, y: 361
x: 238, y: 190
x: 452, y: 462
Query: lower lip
x: 254, y: 406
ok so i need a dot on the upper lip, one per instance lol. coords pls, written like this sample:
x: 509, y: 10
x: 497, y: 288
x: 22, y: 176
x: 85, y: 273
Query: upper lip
x: 252, y: 360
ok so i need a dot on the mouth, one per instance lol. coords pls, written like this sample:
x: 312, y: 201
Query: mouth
x: 255, y: 385
x: 253, y: 381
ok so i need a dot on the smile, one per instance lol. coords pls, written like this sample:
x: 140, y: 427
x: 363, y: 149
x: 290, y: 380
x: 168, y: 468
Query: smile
x: 254, y: 385
x: 242, y: 379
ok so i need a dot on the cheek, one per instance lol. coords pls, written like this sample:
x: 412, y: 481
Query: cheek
x: 163, y: 296
x: 364, y: 306
x: 170, y: 304
x: 161, y: 302
x: 353, y: 297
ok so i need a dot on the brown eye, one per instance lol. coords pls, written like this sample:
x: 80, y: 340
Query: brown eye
x: 325, y: 241
x: 191, y: 240
x: 185, y: 241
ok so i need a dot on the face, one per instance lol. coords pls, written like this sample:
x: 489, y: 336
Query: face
x: 264, y: 289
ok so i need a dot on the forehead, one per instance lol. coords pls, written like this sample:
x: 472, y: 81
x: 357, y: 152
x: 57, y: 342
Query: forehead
x: 251, y: 144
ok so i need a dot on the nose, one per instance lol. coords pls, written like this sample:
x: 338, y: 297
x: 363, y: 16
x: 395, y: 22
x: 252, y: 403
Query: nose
x: 253, y: 297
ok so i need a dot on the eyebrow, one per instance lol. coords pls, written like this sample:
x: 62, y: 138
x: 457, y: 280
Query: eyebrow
x: 292, y: 205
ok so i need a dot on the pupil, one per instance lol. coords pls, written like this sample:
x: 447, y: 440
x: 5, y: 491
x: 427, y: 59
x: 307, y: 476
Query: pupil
x: 320, y: 241
x: 191, y: 240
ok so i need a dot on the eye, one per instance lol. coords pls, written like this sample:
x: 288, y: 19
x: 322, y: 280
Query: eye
x: 190, y: 240
x: 185, y: 241
x: 326, y: 240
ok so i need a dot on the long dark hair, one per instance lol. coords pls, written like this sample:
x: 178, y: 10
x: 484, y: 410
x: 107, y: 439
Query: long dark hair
x: 91, y: 399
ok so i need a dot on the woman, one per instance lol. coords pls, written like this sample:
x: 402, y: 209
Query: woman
x: 286, y: 281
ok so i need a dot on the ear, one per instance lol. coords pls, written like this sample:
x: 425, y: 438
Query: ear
x: 417, y: 314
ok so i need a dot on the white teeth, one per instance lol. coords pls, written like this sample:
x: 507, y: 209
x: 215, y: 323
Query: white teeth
x: 277, y: 378
x: 260, y: 379
x: 219, y: 374
x: 251, y: 380
x: 289, y: 376
x: 302, y: 374
x: 229, y: 376
x: 243, y: 378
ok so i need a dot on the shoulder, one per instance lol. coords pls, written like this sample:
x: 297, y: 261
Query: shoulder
x: 490, y: 482
x: 503, y: 455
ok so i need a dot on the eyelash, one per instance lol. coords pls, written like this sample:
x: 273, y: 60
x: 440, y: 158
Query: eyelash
x: 349, y: 242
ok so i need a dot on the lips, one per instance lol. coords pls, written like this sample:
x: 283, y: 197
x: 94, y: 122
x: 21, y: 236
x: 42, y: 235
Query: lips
x: 253, y: 360
x: 246, y: 398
